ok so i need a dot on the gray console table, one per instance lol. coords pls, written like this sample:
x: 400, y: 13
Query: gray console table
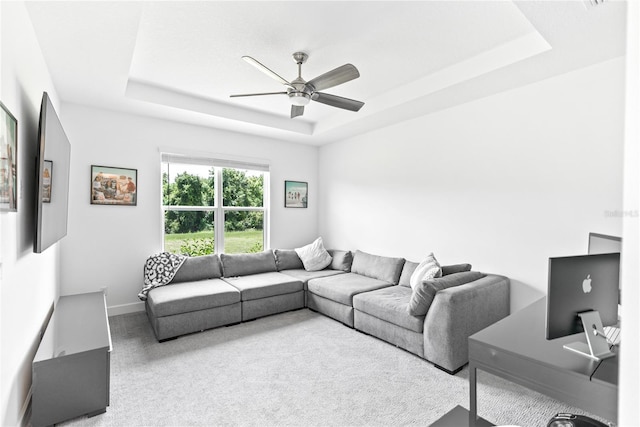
x: 515, y: 348
x: 72, y: 365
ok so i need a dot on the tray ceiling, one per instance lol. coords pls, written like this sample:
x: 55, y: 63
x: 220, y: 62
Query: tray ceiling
x: 182, y: 60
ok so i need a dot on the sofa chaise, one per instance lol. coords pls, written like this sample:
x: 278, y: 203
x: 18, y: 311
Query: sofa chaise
x: 369, y: 293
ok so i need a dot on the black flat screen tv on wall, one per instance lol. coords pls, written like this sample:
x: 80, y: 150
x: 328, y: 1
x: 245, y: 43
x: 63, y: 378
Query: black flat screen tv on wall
x: 53, y: 160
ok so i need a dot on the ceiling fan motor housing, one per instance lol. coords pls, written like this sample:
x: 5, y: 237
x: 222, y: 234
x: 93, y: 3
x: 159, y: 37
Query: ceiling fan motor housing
x: 301, y: 93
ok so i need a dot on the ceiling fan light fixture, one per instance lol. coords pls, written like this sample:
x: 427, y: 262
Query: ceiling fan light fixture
x: 299, y: 99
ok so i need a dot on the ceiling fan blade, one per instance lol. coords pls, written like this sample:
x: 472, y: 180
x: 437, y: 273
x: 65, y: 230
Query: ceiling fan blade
x: 267, y: 71
x: 334, y: 77
x: 258, y: 94
x: 337, y: 101
x: 297, y: 110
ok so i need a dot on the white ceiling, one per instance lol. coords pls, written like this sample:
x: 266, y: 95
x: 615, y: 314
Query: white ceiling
x: 182, y: 60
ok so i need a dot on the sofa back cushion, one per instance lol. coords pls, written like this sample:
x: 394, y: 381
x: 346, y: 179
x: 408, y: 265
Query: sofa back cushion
x: 287, y: 259
x: 423, y: 294
x: 410, y: 267
x: 455, y: 268
x: 340, y: 260
x: 407, y: 270
x: 198, y: 268
x: 244, y: 264
x: 377, y: 267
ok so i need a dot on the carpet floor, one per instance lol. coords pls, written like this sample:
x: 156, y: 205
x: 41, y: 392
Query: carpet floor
x: 293, y: 369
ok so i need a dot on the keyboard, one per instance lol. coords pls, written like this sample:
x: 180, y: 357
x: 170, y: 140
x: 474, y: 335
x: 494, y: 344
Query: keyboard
x: 613, y: 334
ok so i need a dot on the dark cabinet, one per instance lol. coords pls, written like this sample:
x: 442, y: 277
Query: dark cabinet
x: 71, y: 367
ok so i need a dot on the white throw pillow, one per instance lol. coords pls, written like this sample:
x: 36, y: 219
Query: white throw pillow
x: 426, y: 270
x: 314, y: 256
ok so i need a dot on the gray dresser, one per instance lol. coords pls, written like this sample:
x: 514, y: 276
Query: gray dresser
x: 71, y: 367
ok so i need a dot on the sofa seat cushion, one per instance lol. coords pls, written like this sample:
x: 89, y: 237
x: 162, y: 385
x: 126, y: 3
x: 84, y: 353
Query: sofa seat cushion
x: 390, y: 304
x: 191, y: 296
x: 304, y: 276
x: 342, y: 287
x: 263, y: 285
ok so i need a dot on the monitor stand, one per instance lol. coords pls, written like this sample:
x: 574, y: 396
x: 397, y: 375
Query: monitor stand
x: 597, y: 347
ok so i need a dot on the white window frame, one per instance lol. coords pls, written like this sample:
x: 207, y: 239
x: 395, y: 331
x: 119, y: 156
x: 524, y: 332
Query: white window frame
x: 218, y: 208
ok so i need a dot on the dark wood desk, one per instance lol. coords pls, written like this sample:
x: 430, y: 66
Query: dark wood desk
x: 516, y: 349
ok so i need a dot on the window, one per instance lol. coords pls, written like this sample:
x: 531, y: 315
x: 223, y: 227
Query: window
x: 213, y: 205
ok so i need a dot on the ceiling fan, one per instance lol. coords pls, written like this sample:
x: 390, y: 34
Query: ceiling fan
x: 301, y: 92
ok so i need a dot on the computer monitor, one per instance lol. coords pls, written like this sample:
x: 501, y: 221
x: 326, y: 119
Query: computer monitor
x: 583, y: 297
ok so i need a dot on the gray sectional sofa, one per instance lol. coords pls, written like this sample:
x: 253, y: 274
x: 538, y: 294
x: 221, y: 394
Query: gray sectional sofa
x: 369, y: 293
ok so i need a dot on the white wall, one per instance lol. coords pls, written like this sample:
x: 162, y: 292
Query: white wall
x: 30, y: 282
x: 106, y: 246
x: 504, y: 182
x: 629, y: 391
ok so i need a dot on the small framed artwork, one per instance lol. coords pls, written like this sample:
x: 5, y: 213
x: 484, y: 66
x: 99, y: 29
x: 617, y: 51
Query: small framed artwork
x: 8, y: 160
x: 295, y: 194
x: 114, y: 186
x: 47, y: 181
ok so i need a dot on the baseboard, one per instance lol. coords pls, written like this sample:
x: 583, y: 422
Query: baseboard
x: 134, y: 307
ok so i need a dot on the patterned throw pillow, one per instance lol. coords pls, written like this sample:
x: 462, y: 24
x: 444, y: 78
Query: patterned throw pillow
x: 314, y: 256
x: 426, y: 270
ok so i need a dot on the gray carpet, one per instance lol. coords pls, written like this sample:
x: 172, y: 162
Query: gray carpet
x: 292, y: 369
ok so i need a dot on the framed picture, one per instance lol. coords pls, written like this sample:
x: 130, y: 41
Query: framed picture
x: 8, y: 160
x: 114, y: 186
x: 47, y: 181
x: 295, y: 194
